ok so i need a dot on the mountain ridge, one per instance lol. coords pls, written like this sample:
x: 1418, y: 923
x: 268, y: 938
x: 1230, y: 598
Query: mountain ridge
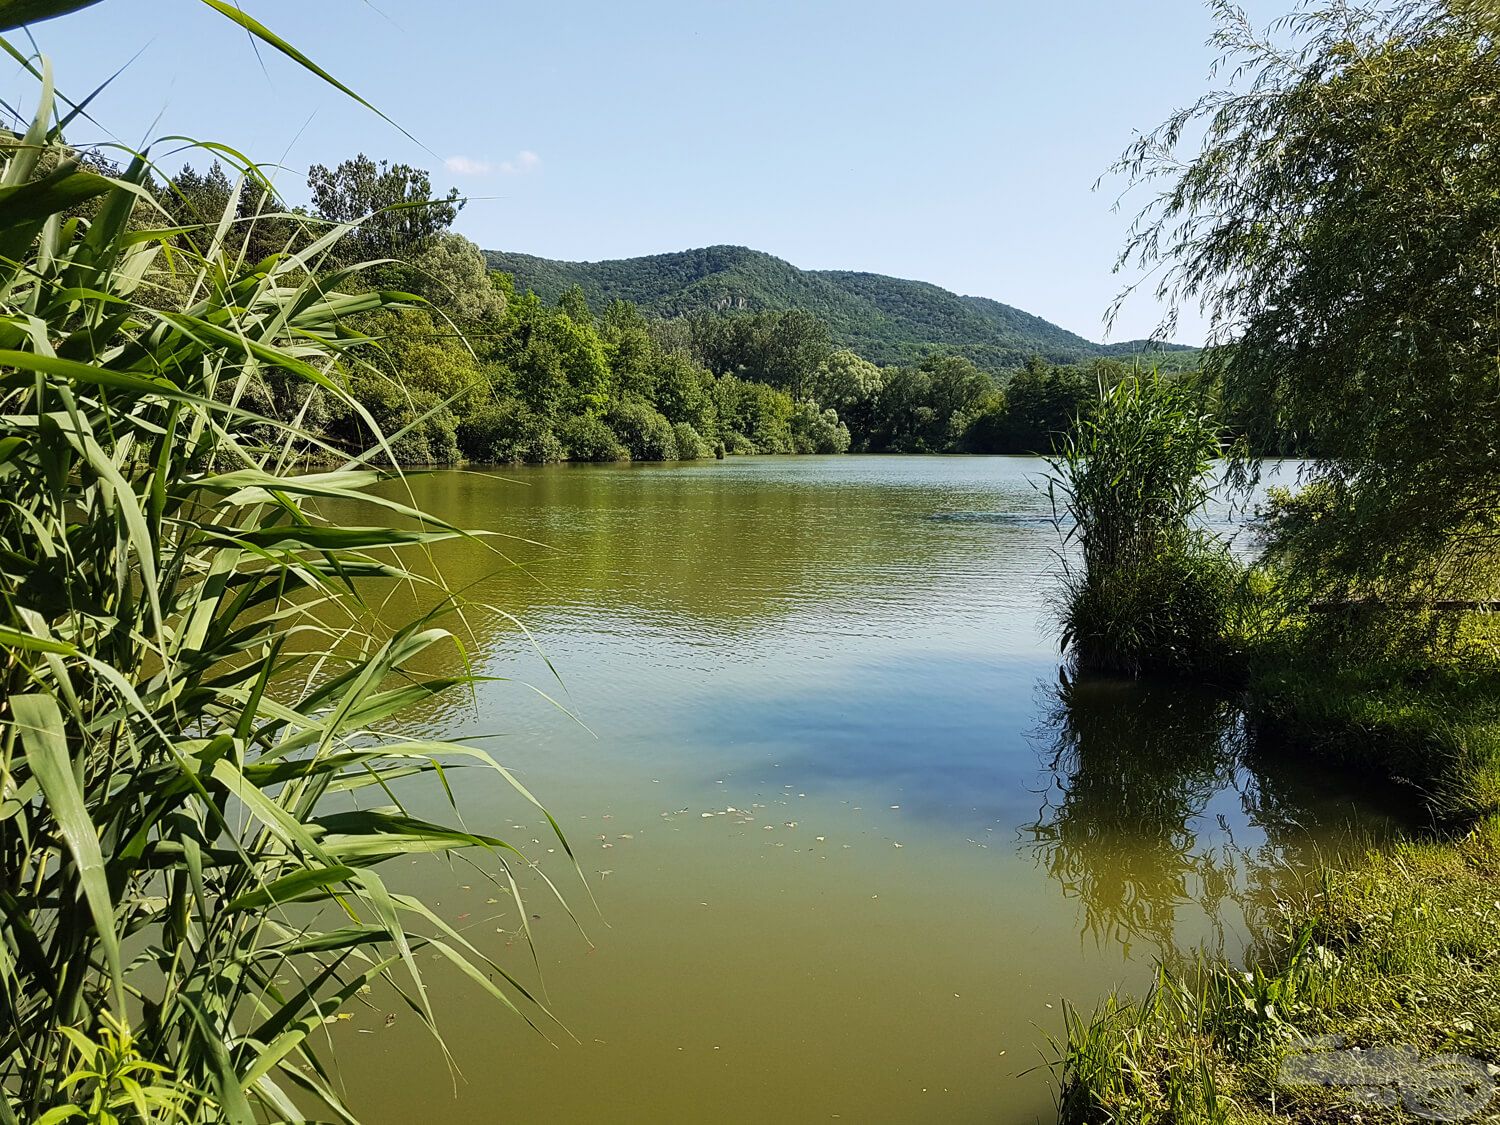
x: 886, y: 319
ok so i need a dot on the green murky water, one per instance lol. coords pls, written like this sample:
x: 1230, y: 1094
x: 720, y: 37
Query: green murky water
x: 850, y: 841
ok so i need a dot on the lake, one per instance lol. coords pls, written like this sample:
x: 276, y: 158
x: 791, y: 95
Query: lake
x: 851, y: 839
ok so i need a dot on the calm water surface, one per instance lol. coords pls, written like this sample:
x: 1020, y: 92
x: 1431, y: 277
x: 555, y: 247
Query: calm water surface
x: 850, y: 841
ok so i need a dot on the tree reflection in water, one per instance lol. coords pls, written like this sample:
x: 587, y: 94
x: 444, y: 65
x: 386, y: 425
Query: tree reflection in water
x: 1123, y: 828
x: 1127, y: 826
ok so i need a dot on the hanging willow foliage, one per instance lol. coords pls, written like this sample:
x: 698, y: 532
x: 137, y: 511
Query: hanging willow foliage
x: 1339, y: 222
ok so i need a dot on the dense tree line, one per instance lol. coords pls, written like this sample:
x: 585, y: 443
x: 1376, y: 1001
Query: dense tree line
x: 885, y: 319
x: 468, y: 368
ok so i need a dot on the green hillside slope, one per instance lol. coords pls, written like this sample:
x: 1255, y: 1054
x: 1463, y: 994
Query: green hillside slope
x: 886, y: 319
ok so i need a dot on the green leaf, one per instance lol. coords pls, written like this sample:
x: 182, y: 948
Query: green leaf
x: 40, y: 724
x: 289, y: 888
x: 323, y: 538
x: 53, y: 194
x: 367, y: 833
x: 89, y: 373
x: 60, y: 1113
x: 15, y: 13
x: 13, y: 638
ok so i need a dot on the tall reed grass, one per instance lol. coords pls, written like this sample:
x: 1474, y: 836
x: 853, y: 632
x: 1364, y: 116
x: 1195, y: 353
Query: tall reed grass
x: 1143, y: 589
x: 201, y: 772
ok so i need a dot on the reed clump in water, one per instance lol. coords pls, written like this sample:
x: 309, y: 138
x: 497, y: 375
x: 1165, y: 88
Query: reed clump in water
x: 1143, y: 591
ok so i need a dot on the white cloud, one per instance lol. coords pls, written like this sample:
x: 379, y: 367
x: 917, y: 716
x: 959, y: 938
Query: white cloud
x: 525, y: 161
x: 522, y: 163
x: 467, y: 166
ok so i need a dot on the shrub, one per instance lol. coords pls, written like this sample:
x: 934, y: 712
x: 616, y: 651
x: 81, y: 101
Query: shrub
x: 758, y: 412
x: 587, y: 438
x: 738, y: 445
x: 645, y: 433
x: 1148, y: 592
x: 690, y: 446
x: 818, y: 431
x: 508, y: 433
x: 1168, y: 611
x: 418, y: 428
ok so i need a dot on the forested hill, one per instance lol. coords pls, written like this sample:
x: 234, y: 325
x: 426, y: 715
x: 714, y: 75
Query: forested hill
x: 886, y: 319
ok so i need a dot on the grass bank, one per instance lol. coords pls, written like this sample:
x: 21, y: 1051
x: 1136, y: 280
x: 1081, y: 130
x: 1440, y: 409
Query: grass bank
x: 1428, y: 724
x: 1402, y: 948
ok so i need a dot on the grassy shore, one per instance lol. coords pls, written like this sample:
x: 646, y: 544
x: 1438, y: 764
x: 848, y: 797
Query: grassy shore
x: 1399, y: 948
x: 1402, y: 948
x: 1428, y: 726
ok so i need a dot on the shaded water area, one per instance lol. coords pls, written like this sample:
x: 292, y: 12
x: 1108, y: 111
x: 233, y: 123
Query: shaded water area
x: 851, y: 839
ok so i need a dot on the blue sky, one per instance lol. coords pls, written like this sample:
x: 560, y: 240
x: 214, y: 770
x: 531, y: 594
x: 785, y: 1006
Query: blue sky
x: 955, y: 141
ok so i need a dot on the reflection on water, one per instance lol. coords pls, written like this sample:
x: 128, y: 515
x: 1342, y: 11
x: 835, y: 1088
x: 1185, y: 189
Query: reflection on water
x: 1125, y: 828
x: 1140, y: 824
x: 822, y: 710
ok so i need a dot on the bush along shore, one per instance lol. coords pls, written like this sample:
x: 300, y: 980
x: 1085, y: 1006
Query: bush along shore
x: 1363, y: 633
